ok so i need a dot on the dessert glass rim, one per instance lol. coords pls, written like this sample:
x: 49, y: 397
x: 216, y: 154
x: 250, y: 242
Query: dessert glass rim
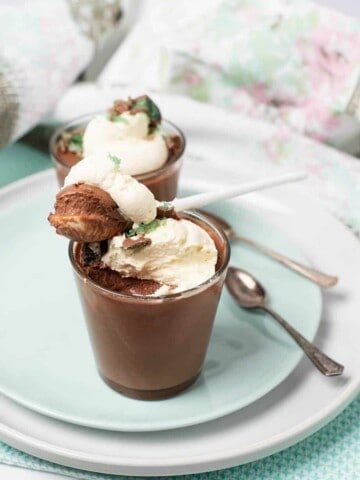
x: 167, y: 297
x: 88, y: 116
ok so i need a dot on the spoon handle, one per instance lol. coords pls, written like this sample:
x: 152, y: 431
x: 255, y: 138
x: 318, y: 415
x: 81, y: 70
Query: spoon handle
x: 201, y: 199
x: 320, y: 278
x: 322, y: 362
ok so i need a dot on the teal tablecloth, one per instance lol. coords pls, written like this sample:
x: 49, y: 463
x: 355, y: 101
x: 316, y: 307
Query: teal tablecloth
x: 333, y: 453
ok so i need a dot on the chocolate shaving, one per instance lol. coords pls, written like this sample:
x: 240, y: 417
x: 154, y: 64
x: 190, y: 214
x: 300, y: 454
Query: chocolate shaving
x: 132, y: 242
x: 165, y: 212
x: 143, y: 103
x: 119, y: 107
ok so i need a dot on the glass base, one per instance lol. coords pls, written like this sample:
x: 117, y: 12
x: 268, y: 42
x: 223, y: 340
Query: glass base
x: 149, y: 394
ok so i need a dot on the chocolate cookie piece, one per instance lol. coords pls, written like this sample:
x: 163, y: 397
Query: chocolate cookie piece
x: 86, y: 213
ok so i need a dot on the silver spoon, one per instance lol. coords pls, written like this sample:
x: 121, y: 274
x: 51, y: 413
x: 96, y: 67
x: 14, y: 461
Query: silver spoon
x: 249, y: 293
x: 319, y: 278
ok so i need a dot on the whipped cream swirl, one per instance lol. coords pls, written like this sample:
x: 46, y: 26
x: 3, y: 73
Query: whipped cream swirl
x: 105, y: 171
x: 128, y: 138
x: 181, y: 256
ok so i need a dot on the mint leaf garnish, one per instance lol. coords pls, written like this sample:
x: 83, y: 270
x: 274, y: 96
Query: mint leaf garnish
x: 150, y: 107
x: 74, y: 142
x: 119, y: 119
x: 76, y: 139
x: 130, y: 233
x: 116, y: 160
x: 144, y: 228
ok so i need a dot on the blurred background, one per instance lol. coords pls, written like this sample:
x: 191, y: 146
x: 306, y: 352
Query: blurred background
x: 294, y: 63
x: 287, y: 69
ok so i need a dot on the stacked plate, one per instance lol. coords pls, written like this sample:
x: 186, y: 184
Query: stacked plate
x: 253, y: 397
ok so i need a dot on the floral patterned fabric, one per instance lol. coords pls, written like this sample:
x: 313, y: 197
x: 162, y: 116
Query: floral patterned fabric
x: 44, y: 47
x: 41, y: 53
x: 290, y: 62
x: 256, y: 146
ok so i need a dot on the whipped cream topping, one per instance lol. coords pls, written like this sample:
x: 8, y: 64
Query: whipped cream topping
x: 181, y: 256
x: 104, y: 171
x: 127, y: 138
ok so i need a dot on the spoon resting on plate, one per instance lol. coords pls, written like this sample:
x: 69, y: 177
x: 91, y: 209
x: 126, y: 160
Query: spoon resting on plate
x: 249, y: 293
x: 322, y: 279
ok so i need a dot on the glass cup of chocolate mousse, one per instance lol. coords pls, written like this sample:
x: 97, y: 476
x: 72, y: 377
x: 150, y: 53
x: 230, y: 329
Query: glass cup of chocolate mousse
x: 154, y: 160
x: 149, y: 346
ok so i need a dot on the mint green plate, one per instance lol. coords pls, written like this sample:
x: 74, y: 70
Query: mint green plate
x: 46, y: 363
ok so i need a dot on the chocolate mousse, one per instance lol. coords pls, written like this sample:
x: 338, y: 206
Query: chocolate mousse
x: 149, y: 278
x: 120, y: 126
x: 88, y: 257
x: 148, y: 347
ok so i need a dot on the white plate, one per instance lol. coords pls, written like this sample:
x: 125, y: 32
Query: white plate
x: 303, y: 403
x: 36, y: 372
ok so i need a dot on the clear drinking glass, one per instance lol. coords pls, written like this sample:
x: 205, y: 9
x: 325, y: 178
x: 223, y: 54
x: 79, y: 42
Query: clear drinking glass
x: 162, y: 182
x: 152, y: 347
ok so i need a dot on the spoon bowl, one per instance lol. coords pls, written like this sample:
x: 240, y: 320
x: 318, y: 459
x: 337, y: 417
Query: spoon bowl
x: 249, y: 293
x: 246, y: 290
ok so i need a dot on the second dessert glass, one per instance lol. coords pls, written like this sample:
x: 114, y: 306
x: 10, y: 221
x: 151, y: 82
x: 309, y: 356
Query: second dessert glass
x: 149, y: 347
x: 162, y: 182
